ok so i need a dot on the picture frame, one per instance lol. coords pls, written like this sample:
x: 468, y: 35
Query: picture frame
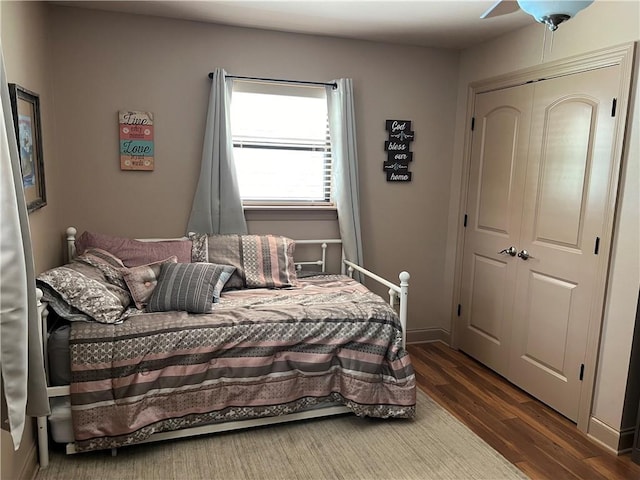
x: 25, y: 107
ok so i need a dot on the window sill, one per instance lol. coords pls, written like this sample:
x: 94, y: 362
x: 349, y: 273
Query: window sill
x: 284, y: 208
x: 290, y: 212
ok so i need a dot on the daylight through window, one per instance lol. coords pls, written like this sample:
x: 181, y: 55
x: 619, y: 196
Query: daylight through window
x: 281, y: 144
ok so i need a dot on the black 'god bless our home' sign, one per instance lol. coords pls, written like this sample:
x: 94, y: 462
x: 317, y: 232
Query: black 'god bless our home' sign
x: 397, y: 147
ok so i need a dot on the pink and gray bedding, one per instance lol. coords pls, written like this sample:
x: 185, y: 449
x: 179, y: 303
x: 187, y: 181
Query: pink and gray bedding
x: 259, y: 353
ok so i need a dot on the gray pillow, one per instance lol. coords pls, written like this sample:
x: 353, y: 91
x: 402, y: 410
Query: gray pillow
x: 189, y: 287
x: 89, y: 285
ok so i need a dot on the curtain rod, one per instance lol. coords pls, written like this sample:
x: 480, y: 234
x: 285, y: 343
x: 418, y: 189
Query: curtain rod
x: 278, y: 80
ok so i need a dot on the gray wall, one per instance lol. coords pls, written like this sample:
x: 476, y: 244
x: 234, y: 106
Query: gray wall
x: 161, y: 65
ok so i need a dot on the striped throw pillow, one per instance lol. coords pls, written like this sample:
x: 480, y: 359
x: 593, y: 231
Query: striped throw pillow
x: 189, y: 287
x: 267, y: 261
x: 261, y: 261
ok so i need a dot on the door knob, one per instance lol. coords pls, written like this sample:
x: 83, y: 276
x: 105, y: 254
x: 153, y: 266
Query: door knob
x: 523, y: 254
x: 509, y: 251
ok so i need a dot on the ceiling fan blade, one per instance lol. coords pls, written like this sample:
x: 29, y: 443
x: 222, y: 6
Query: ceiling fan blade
x: 501, y: 7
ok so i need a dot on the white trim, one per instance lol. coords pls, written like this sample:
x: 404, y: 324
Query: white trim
x: 617, y: 442
x: 429, y: 335
x: 603, y: 434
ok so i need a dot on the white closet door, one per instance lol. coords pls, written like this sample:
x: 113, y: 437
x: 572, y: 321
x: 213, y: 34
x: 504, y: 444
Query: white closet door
x: 540, y: 172
x: 569, y: 171
x: 494, y: 206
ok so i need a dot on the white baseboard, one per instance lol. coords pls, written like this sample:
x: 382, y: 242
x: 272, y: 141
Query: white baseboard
x: 615, y: 441
x: 426, y: 335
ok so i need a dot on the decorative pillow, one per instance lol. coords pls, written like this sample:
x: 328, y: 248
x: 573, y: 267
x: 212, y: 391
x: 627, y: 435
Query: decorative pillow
x: 81, y: 287
x: 110, y: 265
x: 199, y: 247
x: 225, y: 250
x: 261, y: 261
x: 267, y: 261
x: 142, y: 280
x: 135, y: 252
x: 190, y: 287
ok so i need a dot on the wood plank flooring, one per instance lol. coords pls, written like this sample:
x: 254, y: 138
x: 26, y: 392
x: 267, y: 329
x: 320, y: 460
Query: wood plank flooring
x: 539, y: 441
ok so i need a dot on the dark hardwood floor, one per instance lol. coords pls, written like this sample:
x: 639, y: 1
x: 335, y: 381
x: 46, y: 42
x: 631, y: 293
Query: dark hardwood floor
x: 539, y: 441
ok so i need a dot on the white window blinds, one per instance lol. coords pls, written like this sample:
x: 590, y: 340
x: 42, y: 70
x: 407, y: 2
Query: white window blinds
x: 282, y: 148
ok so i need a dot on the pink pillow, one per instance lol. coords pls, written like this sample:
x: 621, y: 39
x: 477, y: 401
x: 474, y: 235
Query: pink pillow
x: 142, y: 280
x: 134, y: 253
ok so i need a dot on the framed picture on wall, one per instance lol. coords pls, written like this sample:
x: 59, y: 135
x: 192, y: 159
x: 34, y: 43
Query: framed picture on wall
x: 25, y: 106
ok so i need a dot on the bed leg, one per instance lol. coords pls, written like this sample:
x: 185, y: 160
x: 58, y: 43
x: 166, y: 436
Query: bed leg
x: 114, y: 452
x: 404, y: 293
x: 43, y: 442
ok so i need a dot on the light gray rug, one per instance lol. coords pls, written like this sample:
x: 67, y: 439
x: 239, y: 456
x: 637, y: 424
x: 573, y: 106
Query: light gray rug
x: 434, y: 445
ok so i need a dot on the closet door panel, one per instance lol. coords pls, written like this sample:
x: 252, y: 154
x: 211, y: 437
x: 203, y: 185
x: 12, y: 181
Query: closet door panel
x: 497, y: 163
x: 487, y: 306
x: 569, y: 171
x: 494, y: 206
x: 564, y: 163
x: 548, y: 312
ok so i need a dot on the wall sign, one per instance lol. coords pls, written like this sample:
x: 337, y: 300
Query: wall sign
x: 398, y: 150
x: 136, y: 140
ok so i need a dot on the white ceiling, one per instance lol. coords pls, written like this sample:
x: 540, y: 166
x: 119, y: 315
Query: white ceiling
x: 447, y: 24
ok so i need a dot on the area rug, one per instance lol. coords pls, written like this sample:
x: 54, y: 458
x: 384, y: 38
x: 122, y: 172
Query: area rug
x: 434, y: 445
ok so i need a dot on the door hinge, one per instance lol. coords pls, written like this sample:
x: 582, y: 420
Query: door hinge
x: 596, y: 249
x: 473, y: 123
x: 465, y: 221
x: 459, y: 309
x: 614, y: 104
x: 581, y: 371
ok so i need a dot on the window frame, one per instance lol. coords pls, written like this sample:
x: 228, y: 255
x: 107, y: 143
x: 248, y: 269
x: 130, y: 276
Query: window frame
x: 290, y: 90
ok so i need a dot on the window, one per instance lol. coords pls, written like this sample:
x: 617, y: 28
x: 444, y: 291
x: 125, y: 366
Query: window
x: 281, y: 143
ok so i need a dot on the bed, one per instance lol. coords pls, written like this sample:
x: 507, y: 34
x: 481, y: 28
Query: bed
x: 277, y: 339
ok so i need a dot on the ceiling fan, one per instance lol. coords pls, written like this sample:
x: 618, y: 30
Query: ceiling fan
x: 551, y: 13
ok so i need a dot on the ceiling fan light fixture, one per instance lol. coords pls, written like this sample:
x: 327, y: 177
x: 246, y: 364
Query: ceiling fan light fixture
x: 552, y: 21
x: 553, y: 13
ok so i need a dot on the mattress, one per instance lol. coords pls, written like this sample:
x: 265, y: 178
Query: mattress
x: 58, y: 353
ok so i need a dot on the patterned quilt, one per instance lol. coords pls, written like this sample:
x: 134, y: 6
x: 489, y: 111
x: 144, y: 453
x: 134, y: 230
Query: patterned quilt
x: 260, y: 353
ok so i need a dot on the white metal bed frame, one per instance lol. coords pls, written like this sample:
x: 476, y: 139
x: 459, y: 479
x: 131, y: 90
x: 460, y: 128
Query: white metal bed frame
x: 397, y: 294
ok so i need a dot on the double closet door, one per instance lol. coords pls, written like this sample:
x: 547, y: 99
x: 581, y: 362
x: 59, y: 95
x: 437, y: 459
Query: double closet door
x: 540, y: 172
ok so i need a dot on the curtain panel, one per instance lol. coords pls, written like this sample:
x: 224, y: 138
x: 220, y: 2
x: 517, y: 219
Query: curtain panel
x: 21, y: 360
x: 217, y: 207
x: 342, y: 127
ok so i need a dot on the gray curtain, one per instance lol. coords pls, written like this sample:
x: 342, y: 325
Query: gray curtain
x: 217, y: 207
x: 342, y: 126
x: 21, y: 361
